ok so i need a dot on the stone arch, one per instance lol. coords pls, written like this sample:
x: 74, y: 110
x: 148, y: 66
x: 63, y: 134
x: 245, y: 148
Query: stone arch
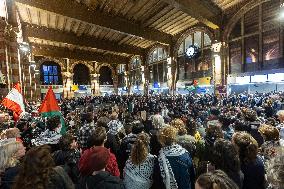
x: 152, y: 48
x: 233, y: 21
x: 91, y: 69
x: 188, y: 32
x: 45, y: 59
x: 113, y: 71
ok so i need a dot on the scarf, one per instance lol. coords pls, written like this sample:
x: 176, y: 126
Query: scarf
x: 165, y: 167
x: 47, y: 137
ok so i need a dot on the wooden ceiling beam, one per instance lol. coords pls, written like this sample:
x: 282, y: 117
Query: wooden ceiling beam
x: 70, y: 38
x: 81, y: 12
x: 205, y: 11
x: 61, y: 52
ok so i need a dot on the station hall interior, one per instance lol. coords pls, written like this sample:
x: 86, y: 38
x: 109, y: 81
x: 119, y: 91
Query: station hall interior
x: 103, y: 47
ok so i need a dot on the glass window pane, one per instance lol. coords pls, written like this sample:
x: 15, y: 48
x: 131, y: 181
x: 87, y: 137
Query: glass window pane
x: 51, y: 79
x: 155, y: 73
x: 50, y: 70
x: 151, y: 58
x: 251, y: 20
x: 160, y: 54
x: 45, y: 70
x: 235, y: 57
x: 197, y: 39
x: 270, y: 17
x: 151, y: 73
x: 271, y: 45
x: 165, y: 71
x: 207, y: 40
x: 181, y: 49
x: 160, y: 72
x: 55, y: 79
x: 188, y: 41
x: 54, y: 70
x: 236, y: 32
x: 155, y: 55
x: 45, y: 79
x: 251, y: 49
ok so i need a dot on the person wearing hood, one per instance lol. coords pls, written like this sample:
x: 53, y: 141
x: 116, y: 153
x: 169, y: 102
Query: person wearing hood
x: 98, y: 177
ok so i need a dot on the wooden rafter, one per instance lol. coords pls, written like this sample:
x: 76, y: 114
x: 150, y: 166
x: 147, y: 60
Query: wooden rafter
x: 70, y: 38
x: 76, y: 10
x: 204, y: 11
x: 62, y: 52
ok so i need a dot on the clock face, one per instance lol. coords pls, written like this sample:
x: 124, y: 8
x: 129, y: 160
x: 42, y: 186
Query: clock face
x: 191, y: 51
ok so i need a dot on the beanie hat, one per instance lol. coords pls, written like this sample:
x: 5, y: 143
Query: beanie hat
x: 94, y: 159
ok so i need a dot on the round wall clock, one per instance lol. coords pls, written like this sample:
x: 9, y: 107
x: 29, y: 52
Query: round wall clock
x: 192, y: 51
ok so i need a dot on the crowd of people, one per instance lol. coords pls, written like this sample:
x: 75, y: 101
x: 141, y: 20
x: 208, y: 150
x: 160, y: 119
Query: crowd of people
x: 192, y: 141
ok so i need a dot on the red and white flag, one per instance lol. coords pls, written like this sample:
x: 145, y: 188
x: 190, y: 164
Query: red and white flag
x: 14, y: 101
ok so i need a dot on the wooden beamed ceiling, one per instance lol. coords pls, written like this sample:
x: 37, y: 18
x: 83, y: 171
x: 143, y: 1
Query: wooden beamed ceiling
x: 78, y: 11
x: 115, y: 28
x: 205, y: 11
x: 85, y: 41
x: 78, y: 54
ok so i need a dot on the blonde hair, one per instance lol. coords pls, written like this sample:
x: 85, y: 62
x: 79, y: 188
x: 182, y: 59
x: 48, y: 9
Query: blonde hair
x: 168, y: 135
x: 269, y: 132
x: 158, y: 121
x: 179, y: 125
x: 280, y: 113
x: 113, y: 116
x: 7, y: 155
x: 139, y: 151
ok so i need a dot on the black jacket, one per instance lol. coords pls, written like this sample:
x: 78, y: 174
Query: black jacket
x: 102, y: 180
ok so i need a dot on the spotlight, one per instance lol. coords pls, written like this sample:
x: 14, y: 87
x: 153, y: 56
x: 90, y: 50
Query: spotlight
x: 24, y: 47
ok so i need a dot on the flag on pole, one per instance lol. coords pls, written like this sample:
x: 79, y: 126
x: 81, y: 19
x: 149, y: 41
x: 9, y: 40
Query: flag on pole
x: 14, y: 101
x: 50, y: 108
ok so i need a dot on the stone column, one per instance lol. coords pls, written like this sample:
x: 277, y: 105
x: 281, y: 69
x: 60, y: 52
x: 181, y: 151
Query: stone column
x: 95, y: 83
x: 67, y: 79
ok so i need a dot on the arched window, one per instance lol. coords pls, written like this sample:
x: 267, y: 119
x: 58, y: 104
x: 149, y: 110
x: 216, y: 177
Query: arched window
x: 135, y: 71
x: 105, y: 76
x: 193, y: 68
x: 51, y: 73
x: 158, y: 65
x: 254, y: 41
x: 81, y: 75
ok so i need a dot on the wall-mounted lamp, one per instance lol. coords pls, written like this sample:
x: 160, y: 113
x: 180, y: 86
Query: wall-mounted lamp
x: 24, y: 47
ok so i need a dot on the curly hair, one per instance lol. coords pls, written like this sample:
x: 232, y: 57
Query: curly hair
x: 167, y: 136
x: 246, y: 145
x: 139, y: 151
x: 36, y: 169
x: 269, y: 133
x: 275, y: 170
x: 216, y: 180
x: 179, y: 125
x: 225, y: 157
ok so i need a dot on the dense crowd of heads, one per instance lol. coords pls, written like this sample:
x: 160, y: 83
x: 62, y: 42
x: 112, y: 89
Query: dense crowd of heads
x: 191, y: 141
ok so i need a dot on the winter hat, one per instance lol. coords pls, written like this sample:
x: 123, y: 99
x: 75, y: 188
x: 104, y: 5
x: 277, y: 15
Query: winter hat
x: 94, y: 159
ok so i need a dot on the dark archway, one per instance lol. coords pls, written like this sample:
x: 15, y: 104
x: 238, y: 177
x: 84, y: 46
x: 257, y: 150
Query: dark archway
x: 81, y: 75
x: 50, y: 73
x: 105, y: 76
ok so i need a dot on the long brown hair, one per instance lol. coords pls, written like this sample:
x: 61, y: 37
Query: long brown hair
x: 140, y: 149
x: 36, y: 169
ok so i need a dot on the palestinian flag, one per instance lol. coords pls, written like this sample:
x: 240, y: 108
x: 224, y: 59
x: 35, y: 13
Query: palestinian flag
x: 50, y: 108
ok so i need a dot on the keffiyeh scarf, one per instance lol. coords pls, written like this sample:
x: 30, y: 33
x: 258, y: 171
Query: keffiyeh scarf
x: 165, y: 167
x: 47, y: 137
